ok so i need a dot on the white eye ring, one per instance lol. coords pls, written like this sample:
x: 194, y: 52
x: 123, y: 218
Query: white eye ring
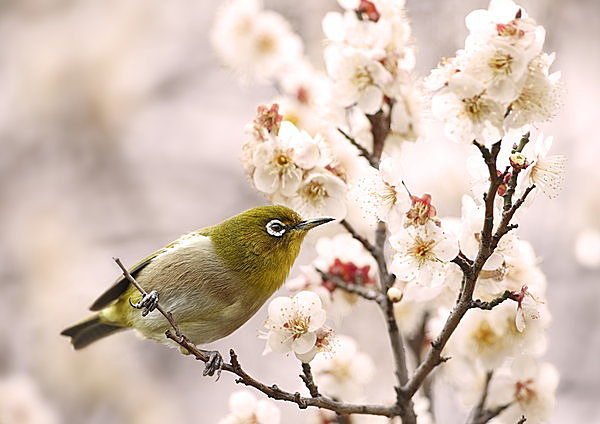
x: 275, y: 228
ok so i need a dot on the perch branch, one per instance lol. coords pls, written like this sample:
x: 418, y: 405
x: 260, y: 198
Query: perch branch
x: 234, y: 367
x: 133, y: 281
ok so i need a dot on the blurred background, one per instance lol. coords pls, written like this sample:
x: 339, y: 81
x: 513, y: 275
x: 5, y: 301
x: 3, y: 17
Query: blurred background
x: 120, y: 131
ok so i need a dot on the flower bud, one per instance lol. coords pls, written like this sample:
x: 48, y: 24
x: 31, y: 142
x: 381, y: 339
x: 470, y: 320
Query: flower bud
x: 518, y: 161
x: 394, y: 294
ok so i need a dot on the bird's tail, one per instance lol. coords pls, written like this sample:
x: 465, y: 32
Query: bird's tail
x: 89, y: 330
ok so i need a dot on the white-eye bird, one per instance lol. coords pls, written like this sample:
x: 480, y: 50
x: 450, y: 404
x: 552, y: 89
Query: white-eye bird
x: 212, y: 280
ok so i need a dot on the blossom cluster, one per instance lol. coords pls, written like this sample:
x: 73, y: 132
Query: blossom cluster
x: 313, y: 149
x: 297, y: 324
x: 293, y: 168
x: 369, y: 60
x: 499, y: 81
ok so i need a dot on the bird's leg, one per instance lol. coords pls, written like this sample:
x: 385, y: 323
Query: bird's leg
x: 214, y: 364
x: 148, y: 302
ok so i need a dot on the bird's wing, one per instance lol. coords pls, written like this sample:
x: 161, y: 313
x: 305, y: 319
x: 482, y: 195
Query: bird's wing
x: 121, y: 285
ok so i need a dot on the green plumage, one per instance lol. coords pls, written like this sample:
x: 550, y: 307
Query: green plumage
x: 212, y: 280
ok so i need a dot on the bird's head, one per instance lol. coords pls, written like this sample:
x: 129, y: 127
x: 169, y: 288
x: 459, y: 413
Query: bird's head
x: 263, y: 240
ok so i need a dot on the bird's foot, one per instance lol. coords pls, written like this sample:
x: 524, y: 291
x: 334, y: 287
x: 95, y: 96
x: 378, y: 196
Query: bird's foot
x: 148, y: 303
x: 214, y: 364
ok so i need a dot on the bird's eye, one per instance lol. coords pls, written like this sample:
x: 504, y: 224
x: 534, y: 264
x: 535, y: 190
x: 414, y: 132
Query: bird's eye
x: 276, y: 228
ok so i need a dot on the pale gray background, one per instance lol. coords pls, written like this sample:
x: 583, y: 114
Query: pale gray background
x: 119, y: 131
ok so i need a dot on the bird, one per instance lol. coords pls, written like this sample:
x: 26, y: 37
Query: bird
x: 212, y: 280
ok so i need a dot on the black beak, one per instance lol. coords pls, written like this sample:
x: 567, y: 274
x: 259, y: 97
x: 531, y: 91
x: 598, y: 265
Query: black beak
x: 312, y: 223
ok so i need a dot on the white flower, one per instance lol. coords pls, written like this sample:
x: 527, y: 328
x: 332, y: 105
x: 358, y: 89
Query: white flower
x: 280, y: 162
x: 500, y: 24
x: 405, y: 115
x: 467, y: 111
x: 357, y: 78
x: 587, y: 248
x: 421, y: 254
x: 490, y: 337
x: 293, y: 323
x: 500, y: 67
x: 531, y: 386
x: 246, y: 409
x: 546, y: 172
x: 22, y: 403
x: 254, y: 42
x: 344, y: 373
x: 306, y: 93
x: 362, y: 34
x: 320, y: 193
x: 381, y: 193
x: 538, y: 98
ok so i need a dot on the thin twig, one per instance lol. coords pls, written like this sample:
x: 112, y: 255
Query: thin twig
x: 309, y: 381
x: 273, y: 391
x: 489, y: 414
x: 478, y: 303
x: 522, y: 420
x: 363, y: 240
x: 362, y: 151
x: 380, y: 128
x: 366, y: 293
x: 479, y: 408
x: 133, y: 281
x: 488, y: 242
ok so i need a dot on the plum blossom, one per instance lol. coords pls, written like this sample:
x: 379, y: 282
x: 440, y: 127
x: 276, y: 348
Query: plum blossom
x: 246, y: 409
x: 343, y: 373
x: 381, y: 193
x: 538, y: 98
x: 505, y: 22
x: 468, y: 112
x: 489, y: 337
x: 293, y: 323
x: 500, y: 67
x: 357, y: 78
x: 546, y: 172
x: 320, y: 193
x: 530, y: 386
x: 254, y: 42
x: 422, y: 253
x: 280, y: 162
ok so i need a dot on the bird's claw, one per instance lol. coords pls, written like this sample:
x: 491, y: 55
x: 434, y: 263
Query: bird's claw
x: 214, y: 364
x: 147, y: 303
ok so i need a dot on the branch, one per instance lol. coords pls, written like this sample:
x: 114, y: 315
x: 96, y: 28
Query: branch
x: 380, y: 128
x: 470, y: 275
x: 361, y: 150
x: 234, y: 367
x: 363, y: 240
x: 309, y: 381
x: 488, y: 414
x: 361, y: 291
x: 477, y: 303
x: 275, y: 392
x: 481, y: 415
x: 463, y: 262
